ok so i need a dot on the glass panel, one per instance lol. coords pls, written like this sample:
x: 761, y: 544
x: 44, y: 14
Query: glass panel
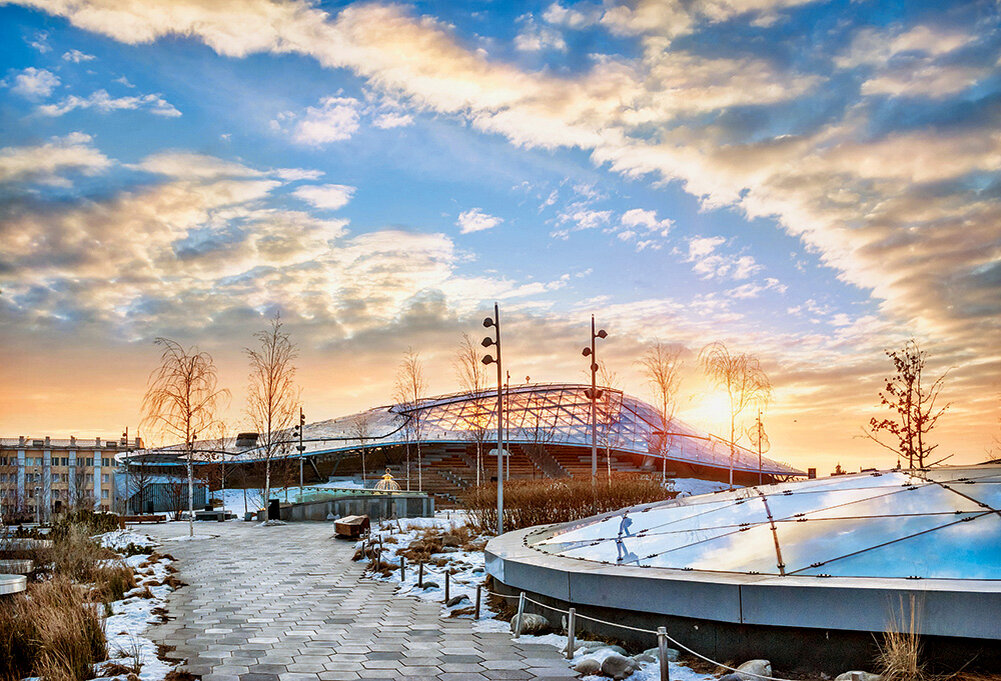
x: 965, y: 550
x: 836, y: 503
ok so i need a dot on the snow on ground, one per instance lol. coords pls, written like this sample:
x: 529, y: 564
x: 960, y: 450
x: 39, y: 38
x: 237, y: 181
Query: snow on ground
x: 130, y: 617
x: 689, y: 487
x: 233, y: 499
x: 468, y: 571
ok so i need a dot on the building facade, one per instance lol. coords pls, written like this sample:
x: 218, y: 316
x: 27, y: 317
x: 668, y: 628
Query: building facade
x: 43, y: 476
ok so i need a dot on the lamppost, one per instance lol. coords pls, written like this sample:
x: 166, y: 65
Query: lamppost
x: 593, y: 394
x: 488, y: 360
x: 301, y: 448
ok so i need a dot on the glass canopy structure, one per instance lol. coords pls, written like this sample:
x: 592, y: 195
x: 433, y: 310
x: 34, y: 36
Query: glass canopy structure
x: 943, y: 523
x: 535, y: 414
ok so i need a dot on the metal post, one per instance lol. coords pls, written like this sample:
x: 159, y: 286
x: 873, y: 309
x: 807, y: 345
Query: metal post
x: 571, y: 623
x: 594, y: 408
x: 420, y: 575
x: 521, y: 611
x: 476, y: 613
x: 665, y: 671
x: 448, y: 573
x: 500, y: 428
x: 760, y: 476
x: 403, y: 569
x: 302, y: 450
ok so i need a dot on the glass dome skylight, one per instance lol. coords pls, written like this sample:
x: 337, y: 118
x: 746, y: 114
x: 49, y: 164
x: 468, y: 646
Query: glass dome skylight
x: 942, y: 523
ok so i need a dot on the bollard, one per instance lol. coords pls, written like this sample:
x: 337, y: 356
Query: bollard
x: 571, y: 622
x: 447, y: 574
x: 403, y: 569
x: 665, y: 671
x: 420, y: 575
x: 476, y: 614
x: 521, y: 611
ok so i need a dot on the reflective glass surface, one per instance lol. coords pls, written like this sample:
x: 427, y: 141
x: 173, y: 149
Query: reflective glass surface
x: 938, y: 524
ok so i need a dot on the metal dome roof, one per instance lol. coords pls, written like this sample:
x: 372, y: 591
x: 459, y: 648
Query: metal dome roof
x: 943, y: 523
x: 548, y: 413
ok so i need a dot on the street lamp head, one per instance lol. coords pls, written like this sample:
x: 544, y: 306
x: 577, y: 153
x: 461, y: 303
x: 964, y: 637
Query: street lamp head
x: 594, y: 366
x: 487, y: 342
x: 586, y: 352
x: 488, y: 360
x: 602, y: 333
x: 488, y: 322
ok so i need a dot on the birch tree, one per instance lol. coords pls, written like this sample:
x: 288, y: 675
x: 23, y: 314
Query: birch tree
x: 183, y: 401
x: 662, y: 367
x: 472, y: 375
x: 411, y: 387
x: 743, y: 379
x: 272, y: 396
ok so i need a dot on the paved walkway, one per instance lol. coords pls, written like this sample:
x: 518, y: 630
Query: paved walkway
x: 288, y: 604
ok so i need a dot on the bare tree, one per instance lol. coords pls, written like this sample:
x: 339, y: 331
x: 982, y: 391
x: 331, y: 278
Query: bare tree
x: 362, y: 429
x: 472, y: 375
x: 608, y: 379
x: 411, y: 387
x: 913, y: 405
x: 272, y: 397
x: 662, y: 366
x: 182, y: 402
x: 743, y: 379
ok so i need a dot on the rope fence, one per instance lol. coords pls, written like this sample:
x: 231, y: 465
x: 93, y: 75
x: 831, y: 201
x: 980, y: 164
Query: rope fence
x: 572, y: 615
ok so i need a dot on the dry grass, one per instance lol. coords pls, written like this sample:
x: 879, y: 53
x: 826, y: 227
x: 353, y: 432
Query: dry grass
x: 51, y: 631
x: 539, y: 502
x: 899, y: 656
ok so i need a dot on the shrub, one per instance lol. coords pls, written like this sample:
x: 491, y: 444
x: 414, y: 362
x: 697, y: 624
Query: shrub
x: 50, y: 631
x: 538, y: 502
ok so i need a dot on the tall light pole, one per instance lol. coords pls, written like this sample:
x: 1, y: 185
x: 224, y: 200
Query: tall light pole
x: 301, y: 449
x: 488, y: 360
x: 593, y: 394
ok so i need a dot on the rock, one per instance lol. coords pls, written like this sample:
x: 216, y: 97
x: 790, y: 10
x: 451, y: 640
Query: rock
x: 455, y: 600
x: 752, y: 670
x: 858, y: 676
x: 643, y: 657
x: 588, y: 666
x: 450, y: 540
x: 672, y: 654
x: 531, y: 623
x: 430, y: 585
x: 618, y: 666
x: 615, y: 649
x: 730, y: 677
x: 478, y: 571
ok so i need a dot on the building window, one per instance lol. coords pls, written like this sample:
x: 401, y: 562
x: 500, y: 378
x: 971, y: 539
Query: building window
x: 104, y: 477
x: 104, y: 494
x: 55, y: 477
x: 105, y: 461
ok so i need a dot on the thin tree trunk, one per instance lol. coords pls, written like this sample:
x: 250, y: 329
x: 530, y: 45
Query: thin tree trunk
x: 191, y: 496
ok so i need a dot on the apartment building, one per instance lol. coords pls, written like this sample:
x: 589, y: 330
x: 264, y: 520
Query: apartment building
x: 43, y: 476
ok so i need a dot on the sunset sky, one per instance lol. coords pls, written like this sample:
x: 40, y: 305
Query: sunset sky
x: 810, y: 182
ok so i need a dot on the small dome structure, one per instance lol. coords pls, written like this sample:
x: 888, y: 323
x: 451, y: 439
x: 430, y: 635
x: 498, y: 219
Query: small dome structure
x: 387, y: 484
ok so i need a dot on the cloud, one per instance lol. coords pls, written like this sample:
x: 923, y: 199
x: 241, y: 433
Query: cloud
x: 392, y: 120
x: 35, y: 83
x: 326, y: 196
x: 709, y: 263
x: 533, y: 37
x: 475, y: 220
x: 76, y: 56
x: 46, y: 162
x: 105, y: 103
x: 183, y: 164
x: 912, y: 61
x: 296, y: 174
x: 904, y: 210
x: 332, y: 120
x: 668, y: 19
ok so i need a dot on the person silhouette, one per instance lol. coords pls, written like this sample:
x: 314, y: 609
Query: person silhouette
x: 624, y: 525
